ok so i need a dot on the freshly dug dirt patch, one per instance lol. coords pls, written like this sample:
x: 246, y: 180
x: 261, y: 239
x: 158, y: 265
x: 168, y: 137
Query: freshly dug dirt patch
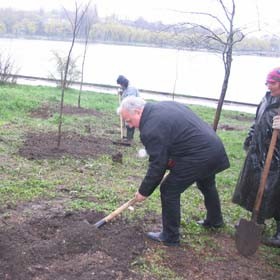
x: 243, y: 117
x: 43, y: 242
x: 230, y: 127
x: 68, y: 246
x: 47, y: 110
x: 38, y: 145
x: 44, y: 146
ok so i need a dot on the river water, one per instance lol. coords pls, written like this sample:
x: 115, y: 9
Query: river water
x: 183, y: 72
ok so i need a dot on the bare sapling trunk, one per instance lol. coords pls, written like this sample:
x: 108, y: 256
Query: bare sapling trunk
x: 220, y: 37
x: 76, y: 23
x: 87, y: 32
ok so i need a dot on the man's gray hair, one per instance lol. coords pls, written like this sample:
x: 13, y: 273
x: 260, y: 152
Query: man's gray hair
x: 131, y: 103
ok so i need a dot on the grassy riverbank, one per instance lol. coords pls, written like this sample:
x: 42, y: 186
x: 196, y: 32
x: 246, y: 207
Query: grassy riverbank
x: 96, y: 182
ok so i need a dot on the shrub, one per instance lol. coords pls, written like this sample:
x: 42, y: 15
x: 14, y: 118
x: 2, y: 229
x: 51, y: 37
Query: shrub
x: 7, y: 70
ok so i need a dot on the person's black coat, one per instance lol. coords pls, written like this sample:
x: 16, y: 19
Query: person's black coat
x: 170, y: 130
x: 257, y: 144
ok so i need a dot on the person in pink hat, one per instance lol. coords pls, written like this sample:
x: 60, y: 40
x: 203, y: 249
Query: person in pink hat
x: 256, y: 144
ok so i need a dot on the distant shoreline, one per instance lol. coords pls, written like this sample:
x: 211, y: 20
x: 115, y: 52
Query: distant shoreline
x: 109, y: 89
x: 264, y: 53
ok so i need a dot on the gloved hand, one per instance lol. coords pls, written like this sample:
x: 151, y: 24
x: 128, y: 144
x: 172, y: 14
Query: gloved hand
x: 276, y: 122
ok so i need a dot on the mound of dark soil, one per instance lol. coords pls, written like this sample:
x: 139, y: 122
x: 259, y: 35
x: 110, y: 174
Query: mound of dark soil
x: 47, y: 110
x: 44, y: 146
x: 68, y: 246
x: 38, y: 145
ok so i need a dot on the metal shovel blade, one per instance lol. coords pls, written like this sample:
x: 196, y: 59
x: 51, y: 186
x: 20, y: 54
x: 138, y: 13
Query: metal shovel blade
x: 122, y: 143
x: 248, y: 233
x: 247, y: 237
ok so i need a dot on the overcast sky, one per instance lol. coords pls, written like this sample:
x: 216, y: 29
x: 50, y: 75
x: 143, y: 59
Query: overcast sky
x: 248, y: 12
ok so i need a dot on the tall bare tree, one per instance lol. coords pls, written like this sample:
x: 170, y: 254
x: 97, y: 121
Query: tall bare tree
x: 75, y: 20
x: 220, y: 37
x: 89, y: 19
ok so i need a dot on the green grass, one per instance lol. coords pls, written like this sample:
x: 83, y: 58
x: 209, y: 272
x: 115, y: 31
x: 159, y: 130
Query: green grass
x: 15, y: 191
x: 98, y: 183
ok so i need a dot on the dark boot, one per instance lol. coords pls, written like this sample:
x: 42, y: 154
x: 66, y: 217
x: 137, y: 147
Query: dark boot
x: 274, y: 241
x: 161, y: 237
x: 207, y: 224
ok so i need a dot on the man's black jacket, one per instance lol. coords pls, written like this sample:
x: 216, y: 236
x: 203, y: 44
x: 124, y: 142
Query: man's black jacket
x: 170, y: 130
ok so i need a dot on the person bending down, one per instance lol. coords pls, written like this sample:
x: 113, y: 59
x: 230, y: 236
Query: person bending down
x: 176, y: 139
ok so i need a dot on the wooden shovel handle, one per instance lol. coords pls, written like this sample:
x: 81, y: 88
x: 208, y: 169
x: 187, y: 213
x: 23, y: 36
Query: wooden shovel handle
x: 121, y: 120
x: 265, y: 174
x: 115, y: 213
x: 119, y: 210
x: 121, y: 126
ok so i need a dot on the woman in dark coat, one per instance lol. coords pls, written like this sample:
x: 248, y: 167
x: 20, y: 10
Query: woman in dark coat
x: 257, y: 145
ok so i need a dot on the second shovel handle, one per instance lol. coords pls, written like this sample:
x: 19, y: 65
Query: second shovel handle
x: 265, y: 174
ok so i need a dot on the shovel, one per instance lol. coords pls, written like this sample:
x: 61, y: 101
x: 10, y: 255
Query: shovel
x: 248, y: 233
x: 121, y: 120
x: 108, y: 218
x: 121, y: 142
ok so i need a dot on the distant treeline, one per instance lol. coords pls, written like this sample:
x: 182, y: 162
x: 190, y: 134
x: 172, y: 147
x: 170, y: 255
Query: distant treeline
x: 55, y: 25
